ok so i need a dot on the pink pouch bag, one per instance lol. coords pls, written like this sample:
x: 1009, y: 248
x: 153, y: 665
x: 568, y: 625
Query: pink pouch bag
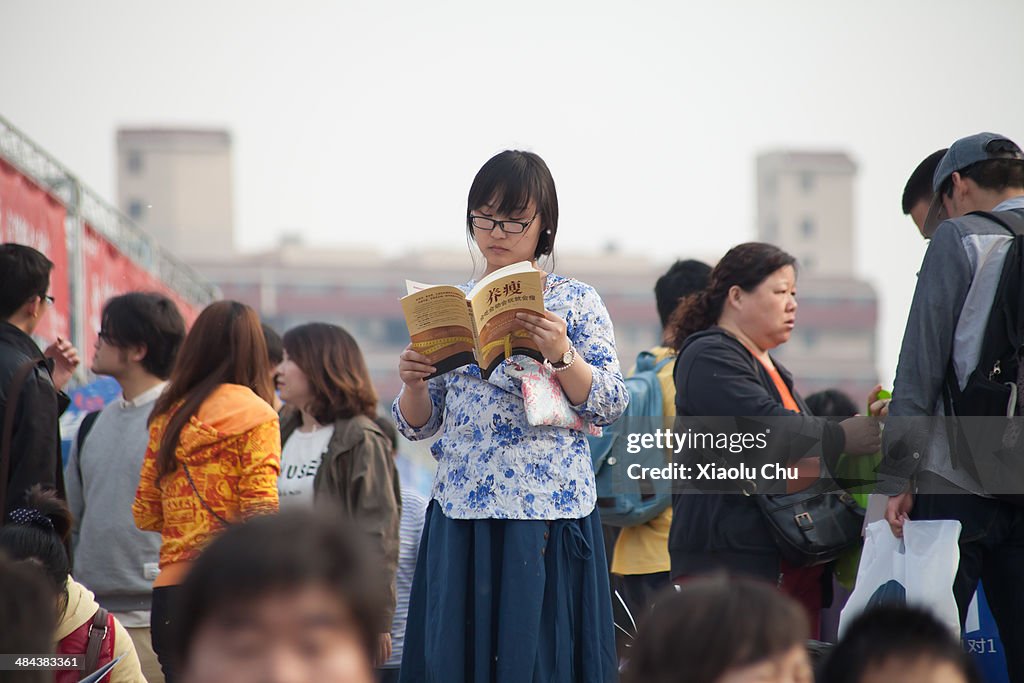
x: 546, y: 403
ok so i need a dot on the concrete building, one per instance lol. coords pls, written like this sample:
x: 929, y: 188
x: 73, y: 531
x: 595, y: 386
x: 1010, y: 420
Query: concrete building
x: 805, y: 205
x: 177, y: 185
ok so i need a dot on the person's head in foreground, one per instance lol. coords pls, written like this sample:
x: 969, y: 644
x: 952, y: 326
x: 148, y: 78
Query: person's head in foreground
x: 903, y: 644
x: 721, y: 629
x: 28, y: 623
x: 280, y: 598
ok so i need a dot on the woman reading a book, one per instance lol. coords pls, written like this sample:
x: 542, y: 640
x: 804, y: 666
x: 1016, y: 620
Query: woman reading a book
x: 511, y: 583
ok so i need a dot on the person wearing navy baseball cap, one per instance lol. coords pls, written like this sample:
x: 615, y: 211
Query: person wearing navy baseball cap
x: 972, y: 223
x: 954, y: 195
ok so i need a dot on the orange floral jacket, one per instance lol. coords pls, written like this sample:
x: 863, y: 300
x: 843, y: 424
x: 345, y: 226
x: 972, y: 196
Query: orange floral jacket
x: 232, y: 447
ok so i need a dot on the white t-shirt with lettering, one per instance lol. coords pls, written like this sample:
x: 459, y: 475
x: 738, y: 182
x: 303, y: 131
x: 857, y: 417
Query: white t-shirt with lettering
x: 300, y: 460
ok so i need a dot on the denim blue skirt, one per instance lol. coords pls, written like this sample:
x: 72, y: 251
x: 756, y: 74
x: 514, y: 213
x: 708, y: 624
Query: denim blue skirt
x: 510, y: 601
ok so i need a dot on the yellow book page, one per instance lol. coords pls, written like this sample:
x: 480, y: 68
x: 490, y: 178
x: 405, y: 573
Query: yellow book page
x: 440, y: 326
x: 494, y: 314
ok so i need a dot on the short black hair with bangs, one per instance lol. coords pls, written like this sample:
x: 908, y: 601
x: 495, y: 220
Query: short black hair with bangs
x: 517, y: 178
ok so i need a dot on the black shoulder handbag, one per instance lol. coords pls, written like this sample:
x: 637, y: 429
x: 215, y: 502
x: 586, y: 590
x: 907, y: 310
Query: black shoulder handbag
x: 813, y: 526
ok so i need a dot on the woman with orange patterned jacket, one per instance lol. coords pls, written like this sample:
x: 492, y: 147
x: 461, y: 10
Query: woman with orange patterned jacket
x: 214, y: 451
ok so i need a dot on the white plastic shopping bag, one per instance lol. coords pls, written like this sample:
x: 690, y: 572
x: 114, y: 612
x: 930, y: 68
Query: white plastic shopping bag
x: 916, y: 570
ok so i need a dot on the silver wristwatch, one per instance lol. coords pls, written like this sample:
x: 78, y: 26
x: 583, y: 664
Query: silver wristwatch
x: 565, y: 362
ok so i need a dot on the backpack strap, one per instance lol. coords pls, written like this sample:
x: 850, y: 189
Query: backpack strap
x: 645, y: 360
x: 1012, y: 220
x: 13, y: 396
x: 83, y: 431
x: 97, y: 634
x: 671, y: 358
x: 1009, y: 281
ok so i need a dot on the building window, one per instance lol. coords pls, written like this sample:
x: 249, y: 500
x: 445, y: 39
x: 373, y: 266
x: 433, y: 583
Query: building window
x: 807, y: 227
x: 135, y: 209
x: 135, y: 162
x: 807, y: 181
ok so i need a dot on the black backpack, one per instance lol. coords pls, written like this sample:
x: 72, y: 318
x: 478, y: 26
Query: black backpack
x: 995, y: 389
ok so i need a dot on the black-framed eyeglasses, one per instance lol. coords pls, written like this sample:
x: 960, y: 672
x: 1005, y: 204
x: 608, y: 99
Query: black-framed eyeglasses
x: 507, y: 227
x: 49, y: 299
x: 106, y: 337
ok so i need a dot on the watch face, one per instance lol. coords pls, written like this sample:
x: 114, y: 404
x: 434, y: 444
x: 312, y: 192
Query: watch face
x: 567, y: 357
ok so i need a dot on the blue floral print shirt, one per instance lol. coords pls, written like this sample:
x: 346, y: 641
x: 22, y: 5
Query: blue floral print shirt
x: 491, y: 463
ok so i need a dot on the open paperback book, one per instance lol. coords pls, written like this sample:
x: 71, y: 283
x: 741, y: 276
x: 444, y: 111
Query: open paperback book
x: 454, y: 329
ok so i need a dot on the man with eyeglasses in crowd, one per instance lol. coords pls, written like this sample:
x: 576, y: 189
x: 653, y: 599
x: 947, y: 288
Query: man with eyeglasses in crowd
x: 34, y: 449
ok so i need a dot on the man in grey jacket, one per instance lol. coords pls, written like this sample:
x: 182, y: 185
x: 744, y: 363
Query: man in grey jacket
x: 955, y: 291
x: 137, y: 345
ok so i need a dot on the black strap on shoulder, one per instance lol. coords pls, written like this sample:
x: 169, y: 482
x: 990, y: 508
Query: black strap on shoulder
x: 97, y: 633
x: 1011, y: 280
x: 83, y: 431
x: 1012, y: 220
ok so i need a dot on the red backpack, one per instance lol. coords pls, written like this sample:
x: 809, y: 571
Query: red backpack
x: 95, y: 638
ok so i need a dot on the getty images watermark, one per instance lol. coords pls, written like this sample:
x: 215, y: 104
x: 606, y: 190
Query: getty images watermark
x: 670, y: 441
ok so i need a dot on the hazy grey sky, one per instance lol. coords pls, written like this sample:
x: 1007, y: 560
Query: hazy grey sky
x: 364, y: 122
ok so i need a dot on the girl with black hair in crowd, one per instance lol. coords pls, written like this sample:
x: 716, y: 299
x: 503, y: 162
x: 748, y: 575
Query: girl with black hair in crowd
x: 511, y: 584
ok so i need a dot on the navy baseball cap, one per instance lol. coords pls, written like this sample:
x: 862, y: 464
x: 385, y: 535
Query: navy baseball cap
x: 963, y: 153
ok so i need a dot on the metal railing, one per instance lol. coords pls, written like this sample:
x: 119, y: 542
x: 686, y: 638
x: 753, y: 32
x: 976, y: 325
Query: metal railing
x: 85, y: 204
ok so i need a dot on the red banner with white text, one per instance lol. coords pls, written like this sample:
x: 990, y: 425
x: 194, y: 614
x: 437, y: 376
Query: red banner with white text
x: 29, y: 215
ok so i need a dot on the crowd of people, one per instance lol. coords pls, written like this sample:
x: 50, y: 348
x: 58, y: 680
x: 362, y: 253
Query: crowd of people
x: 237, y: 514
